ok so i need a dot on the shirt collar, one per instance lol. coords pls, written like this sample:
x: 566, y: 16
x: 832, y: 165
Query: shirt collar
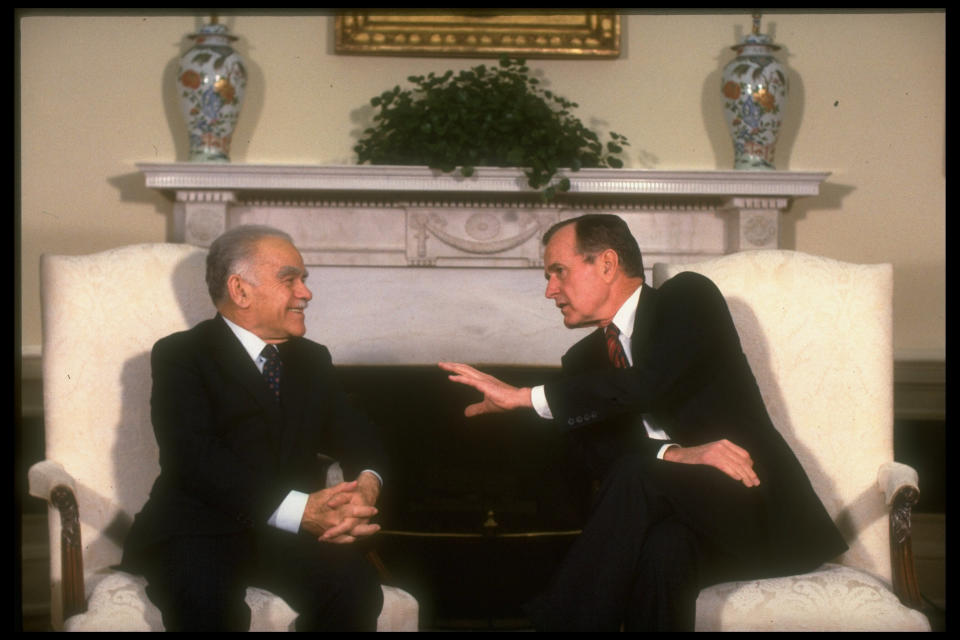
x: 627, y: 313
x: 252, y: 343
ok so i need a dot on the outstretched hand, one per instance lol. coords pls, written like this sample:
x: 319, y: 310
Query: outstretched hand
x: 498, y: 396
x: 724, y: 455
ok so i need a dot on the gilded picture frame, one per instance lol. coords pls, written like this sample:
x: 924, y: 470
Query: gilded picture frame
x: 550, y: 33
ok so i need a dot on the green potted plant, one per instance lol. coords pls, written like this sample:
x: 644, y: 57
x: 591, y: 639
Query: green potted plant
x: 485, y: 116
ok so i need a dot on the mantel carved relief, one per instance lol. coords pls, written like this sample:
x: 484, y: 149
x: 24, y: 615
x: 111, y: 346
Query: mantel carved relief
x: 494, y: 237
x: 412, y: 216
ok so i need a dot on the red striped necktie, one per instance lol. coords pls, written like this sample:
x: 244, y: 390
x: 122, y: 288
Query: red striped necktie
x: 615, y: 348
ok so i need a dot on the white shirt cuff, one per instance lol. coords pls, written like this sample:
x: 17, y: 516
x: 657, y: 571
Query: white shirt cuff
x: 377, y: 475
x: 288, y: 515
x: 664, y: 448
x: 539, y: 400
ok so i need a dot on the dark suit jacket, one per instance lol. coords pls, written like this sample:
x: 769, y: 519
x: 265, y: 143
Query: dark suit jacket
x: 229, y: 453
x: 691, y: 376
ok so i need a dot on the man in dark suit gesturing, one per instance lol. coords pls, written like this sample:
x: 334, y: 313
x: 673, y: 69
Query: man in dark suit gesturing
x: 695, y: 484
x: 242, y: 405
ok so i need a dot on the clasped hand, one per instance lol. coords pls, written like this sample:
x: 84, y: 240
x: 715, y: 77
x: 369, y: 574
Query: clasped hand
x: 341, y: 514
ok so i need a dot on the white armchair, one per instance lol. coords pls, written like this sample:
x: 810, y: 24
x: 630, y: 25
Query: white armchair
x: 101, y: 315
x: 818, y: 335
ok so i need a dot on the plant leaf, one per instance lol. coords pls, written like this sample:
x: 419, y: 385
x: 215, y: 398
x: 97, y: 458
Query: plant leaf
x: 498, y: 116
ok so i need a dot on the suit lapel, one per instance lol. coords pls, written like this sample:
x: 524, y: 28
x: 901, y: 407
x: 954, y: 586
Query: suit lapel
x: 594, y: 354
x: 643, y: 321
x: 295, y: 390
x: 235, y: 363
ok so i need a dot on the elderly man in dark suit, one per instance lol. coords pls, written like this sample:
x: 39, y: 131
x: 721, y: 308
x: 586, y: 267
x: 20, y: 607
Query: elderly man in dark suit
x: 242, y: 405
x: 695, y: 484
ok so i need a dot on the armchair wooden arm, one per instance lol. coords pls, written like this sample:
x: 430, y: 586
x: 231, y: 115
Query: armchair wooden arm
x: 900, y: 486
x: 50, y: 481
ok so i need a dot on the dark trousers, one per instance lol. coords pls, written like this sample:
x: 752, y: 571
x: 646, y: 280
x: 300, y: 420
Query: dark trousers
x: 658, y: 533
x: 199, y: 582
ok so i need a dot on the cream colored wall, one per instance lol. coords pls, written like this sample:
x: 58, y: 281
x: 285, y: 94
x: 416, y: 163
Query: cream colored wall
x: 867, y: 104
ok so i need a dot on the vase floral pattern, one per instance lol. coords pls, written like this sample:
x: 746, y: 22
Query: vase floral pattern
x: 754, y: 89
x: 211, y: 82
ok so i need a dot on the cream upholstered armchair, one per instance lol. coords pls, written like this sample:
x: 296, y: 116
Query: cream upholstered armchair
x: 818, y: 335
x: 102, y: 314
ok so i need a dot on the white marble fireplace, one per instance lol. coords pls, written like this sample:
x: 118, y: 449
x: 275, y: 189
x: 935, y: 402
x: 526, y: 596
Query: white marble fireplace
x: 412, y: 266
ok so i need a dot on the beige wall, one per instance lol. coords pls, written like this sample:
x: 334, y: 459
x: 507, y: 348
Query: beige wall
x: 867, y: 105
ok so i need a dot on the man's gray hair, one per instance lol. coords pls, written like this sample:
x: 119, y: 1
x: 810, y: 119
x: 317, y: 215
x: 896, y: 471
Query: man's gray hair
x: 232, y: 253
x: 596, y: 232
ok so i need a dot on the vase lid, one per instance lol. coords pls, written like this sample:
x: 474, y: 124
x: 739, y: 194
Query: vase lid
x: 212, y: 31
x: 755, y: 38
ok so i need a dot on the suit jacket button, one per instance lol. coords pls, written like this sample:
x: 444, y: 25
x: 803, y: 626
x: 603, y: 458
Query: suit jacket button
x: 571, y: 422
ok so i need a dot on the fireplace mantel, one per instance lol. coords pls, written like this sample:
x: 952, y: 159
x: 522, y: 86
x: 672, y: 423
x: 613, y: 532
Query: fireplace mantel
x: 414, y: 216
x: 382, y: 179
x: 398, y: 253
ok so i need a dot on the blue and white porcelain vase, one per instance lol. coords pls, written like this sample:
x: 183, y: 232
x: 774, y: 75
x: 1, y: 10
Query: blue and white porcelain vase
x: 754, y: 89
x: 211, y: 82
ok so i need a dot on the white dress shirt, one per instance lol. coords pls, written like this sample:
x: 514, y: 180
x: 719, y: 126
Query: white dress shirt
x: 290, y: 512
x: 623, y: 320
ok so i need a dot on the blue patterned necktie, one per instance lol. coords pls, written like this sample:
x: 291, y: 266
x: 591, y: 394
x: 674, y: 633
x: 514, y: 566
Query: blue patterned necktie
x: 272, y: 368
x: 615, y: 348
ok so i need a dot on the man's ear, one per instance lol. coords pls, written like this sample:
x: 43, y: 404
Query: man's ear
x: 609, y: 264
x: 238, y: 290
